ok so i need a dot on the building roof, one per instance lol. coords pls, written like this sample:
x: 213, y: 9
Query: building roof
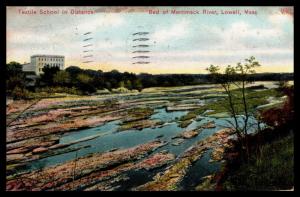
x: 55, y: 56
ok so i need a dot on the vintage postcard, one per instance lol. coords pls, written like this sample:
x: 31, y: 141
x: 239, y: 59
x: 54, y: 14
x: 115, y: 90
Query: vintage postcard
x: 149, y: 98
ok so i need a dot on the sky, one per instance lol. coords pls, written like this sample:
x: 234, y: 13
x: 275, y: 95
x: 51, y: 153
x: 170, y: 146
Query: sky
x: 178, y: 43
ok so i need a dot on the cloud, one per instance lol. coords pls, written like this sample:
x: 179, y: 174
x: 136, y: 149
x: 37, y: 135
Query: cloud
x: 224, y: 52
x: 180, y: 41
x: 243, y: 29
x: 98, y: 22
x: 176, y: 31
x: 242, y: 35
x: 280, y: 19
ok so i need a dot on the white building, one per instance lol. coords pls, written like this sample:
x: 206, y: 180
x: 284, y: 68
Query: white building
x: 39, y: 61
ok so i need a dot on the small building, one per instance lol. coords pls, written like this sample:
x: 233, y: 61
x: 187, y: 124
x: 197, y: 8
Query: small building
x: 37, y: 63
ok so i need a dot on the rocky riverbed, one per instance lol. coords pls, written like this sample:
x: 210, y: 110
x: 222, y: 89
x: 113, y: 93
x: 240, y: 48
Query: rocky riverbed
x: 105, y: 142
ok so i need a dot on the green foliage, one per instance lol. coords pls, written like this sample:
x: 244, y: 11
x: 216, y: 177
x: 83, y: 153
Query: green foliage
x: 255, y: 98
x: 13, y: 68
x: 84, y: 83
x: 137, y: 84
x: 88, y: 81
x: 188, y: 116
x: 213, y: 69
x: 59, y: 89
x: 128, y: 84
x: 273, y: 169
x: 15, y: 77
x: 110, y: 102
x: 83, y: 78
x: 237, y: 100
x: 20, y: 93
x: 61, y: 78
x: 141, y: 112
x: 185, y: 123
x: 48, y: 75
x: 121, y: 84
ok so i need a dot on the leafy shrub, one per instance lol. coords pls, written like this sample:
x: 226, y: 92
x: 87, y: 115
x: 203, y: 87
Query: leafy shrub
x: 20, y: 93
x: 59, y: 89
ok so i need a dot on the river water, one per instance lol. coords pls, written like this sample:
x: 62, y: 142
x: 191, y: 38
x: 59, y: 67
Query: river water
x: 111, y: 139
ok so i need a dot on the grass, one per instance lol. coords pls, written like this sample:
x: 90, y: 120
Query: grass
x: 185, y: 123
x: 254, y: 99
x: 273, y: 169
x: 140, y: 112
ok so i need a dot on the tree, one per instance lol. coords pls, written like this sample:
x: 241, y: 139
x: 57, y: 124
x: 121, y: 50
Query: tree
x: 20, y: 93
x: 233, y: 81
x: 15, y: 77
x: 137, y: 84
x: 84, y: 83
x: 108, y: 85
x: 62, y: 78
x: 128, y: 84
x: 48, y: 74
x: 83, y: 78
x: 121, y: 84
x: 73, y: 71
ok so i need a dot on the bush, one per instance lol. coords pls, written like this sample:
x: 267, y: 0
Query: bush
x: 273, y: 169
x: 59, y: 89
x: 20, y: 93
x: 123, y: 90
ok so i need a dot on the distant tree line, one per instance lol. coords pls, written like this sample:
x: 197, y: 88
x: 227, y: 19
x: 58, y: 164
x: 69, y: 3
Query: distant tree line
x: 88, y: 81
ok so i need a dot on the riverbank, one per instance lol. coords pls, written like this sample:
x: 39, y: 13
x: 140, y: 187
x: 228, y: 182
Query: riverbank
x: 270, y: 166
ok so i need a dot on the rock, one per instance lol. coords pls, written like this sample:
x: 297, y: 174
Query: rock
x: 28, y: 154
x: 217, y: 154
x: 175, y: 137
x: 18, y: 150
x: 159, y: 136
x: 174, y: 175
x: 14, y: 157
x: 207, y: 184
x: 50, y: 143
x: 189, y: 134
x: 178, y: 142
x: 207, y: 177
x: 113, y: 149
x: 40, y: 150
x: 156, y: 160
x: 164, y: 151
x: 208, y: 125
x: 98, y: 166
x: 199, y: 119
x: 56, y: 146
